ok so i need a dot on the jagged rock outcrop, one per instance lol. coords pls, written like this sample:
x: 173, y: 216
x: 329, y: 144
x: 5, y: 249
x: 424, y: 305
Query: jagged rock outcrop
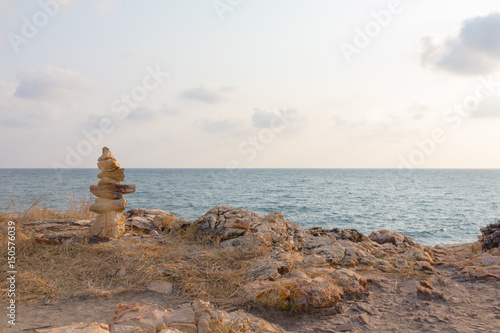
x: 195, y: 317
x: 153, y: 220
x: 110, y: 203
x: 239, y: 227
x: 491, y: 236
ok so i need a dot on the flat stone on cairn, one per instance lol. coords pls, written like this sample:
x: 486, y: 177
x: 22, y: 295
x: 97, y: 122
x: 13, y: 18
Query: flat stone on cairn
x: 110, y: 202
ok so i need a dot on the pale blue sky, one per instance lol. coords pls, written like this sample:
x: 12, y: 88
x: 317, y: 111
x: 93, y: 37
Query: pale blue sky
x: 228, y: 78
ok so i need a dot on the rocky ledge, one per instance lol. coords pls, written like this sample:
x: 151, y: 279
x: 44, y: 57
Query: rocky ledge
x: 382, y: 282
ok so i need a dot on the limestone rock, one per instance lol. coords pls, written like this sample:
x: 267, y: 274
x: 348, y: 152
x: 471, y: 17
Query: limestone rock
x: 101, y: 205
x: 196, y: 317
x: 238, y: 227
x: 164, y: 220
x: 112, y: 191
x: 108, y: 225
x: 160, y: 286
x: 347, y: 234
x: 394, y: 238
x: 117, y: 174
x: 77, y: 328
x: 108, y: 165
x: 108, y: 181
x: 297, y: 291
x: 147, y: 318
x: 103, y: 192
x: 106, y: 154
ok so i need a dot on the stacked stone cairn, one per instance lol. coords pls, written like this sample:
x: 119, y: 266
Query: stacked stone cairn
x: 109, y: 205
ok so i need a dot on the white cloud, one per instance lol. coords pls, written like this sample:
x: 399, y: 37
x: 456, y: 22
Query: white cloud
x: 225, y: 125
x: 51, y: 84
x: 207, y: 93
x: 474, y: 50
x: 147, y: 113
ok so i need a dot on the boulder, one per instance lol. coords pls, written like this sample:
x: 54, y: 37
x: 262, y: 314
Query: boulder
x: 238, y: 227
x: 491, y: 236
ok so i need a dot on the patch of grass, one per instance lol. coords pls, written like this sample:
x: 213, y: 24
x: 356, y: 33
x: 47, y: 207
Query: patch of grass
x: 197, y: 269
x: 78, y: 209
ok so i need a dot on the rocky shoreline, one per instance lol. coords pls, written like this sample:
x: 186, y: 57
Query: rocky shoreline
x: 310, y: 280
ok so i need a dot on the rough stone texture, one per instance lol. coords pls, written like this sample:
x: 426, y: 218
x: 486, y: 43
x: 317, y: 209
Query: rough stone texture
x: 101, y: 205
x: 108, y: 181
x: 106, y: 155
x: 491, y: 236
x: 77, y: 328
x: 117, y: 174
x: 395, y: 238
x: 163, y: 287
x: 103, y: 192
x: 149, y: 220
x: 237, y: 227
x: 196, y: 317
x: 109, y: 223
x: 112, y: 191
x: 108, y: 165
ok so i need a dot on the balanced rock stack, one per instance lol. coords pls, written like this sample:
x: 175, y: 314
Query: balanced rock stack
x: 110, y: 223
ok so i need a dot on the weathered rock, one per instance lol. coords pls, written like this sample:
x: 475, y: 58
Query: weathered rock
x: 112, y: 191
x: 141, y: 223
x: 197, y: 317
x: 118, y: 174
x: 103, y: 192
x: 160, y: 286
x: 106, y: 154
x: 147, y: 318
x: 101, y: 206
x: 77, y: 328
x: 491, y: 236
x: 163, y: 220
x: 108, y: 181
x: 426, y: 291
x: 238, y: 227
x: 108, y: 165
x: 394, y: 238
x: 297, y: 291
x: 109, y: 225
x: 347, y: 234
x: 110, y: 199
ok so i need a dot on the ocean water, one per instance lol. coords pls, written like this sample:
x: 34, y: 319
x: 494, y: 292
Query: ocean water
x: 432, y: 206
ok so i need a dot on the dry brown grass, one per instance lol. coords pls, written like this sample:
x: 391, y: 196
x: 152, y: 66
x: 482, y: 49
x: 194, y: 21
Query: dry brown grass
x: 196, y: 268
x: 78, y: 208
